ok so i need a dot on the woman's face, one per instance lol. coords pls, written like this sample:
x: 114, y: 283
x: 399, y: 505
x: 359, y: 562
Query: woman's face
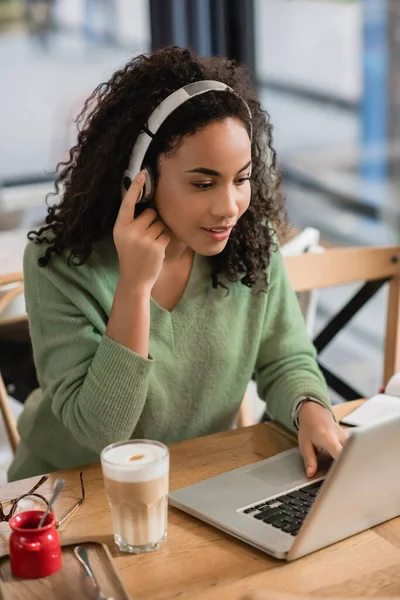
x: 205, y: 186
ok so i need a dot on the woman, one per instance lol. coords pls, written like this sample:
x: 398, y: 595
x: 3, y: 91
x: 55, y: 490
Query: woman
x: 148, y: 320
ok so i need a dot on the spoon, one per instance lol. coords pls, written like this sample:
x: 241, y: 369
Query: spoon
x: 82, y: 556
x: 58, y: 486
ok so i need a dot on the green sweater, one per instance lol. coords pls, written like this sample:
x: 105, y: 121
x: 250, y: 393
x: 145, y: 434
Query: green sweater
x: 94, y: 391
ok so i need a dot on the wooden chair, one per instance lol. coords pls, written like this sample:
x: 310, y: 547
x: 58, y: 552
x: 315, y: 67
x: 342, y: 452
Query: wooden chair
x: 11, y: 286
x: 375, y: 266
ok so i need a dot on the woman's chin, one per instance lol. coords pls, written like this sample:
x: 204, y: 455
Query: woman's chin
x: 209, y: 250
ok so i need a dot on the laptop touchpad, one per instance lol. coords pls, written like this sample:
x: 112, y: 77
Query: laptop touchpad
x: 281, y: 471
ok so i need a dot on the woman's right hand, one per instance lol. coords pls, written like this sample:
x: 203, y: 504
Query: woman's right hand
x: 140, y: 242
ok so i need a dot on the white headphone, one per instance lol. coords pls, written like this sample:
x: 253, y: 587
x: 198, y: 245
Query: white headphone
x: 156, y: 119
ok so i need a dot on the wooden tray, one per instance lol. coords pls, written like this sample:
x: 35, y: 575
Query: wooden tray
x: 71, y: 582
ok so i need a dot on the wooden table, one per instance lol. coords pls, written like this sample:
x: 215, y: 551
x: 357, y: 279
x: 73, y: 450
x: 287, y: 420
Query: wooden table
x: 199, y: 561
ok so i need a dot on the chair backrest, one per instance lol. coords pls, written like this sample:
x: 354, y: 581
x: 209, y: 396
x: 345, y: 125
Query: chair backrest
x: 11, y: 288
x: 309, y: 272
x: 12, y: 304
x: 340, y: 266
x: 308, y: 240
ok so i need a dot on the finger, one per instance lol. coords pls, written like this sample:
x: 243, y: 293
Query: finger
x: 333, y: 445
x: 147, y: 218
x: 343, y: 436
x: 309, y: 456
x: 156, y: 229
x: 164, y: 239
x: 127, y: 209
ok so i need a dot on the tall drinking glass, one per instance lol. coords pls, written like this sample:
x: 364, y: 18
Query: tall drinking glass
x: 136, y: 476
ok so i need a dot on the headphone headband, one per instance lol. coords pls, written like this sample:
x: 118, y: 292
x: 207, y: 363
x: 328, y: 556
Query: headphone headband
x: 157, y: 118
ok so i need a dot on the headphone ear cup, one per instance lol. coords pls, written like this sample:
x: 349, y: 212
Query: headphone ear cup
x: 126, y: 182
x: 148, y: 188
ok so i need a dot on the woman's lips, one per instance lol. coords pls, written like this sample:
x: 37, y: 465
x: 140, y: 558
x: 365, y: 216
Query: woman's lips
x: 218, y: 234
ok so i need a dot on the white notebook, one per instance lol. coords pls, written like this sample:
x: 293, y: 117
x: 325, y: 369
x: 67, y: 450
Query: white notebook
x: 381, y: 406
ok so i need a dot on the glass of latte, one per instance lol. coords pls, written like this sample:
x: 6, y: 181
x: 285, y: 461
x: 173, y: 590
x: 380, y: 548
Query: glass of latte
x: 136, y: 474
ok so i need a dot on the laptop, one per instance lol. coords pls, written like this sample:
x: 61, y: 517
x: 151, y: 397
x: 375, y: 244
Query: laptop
x: 273, y: 506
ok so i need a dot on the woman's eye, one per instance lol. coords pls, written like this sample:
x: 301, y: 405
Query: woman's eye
x: 203, y: 186
x: 207, y: 185
x: 242, y: 180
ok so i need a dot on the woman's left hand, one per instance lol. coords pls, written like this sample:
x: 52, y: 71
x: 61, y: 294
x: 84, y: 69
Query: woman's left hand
x: 318, y: 431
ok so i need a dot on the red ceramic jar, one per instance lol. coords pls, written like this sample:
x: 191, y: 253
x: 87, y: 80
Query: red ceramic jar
x: 34, y: 552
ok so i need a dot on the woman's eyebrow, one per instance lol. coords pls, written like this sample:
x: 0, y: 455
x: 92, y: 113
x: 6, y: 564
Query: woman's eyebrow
x: 206, y: 171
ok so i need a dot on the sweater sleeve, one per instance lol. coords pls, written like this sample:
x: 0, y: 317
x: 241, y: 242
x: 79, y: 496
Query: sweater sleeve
x: 286, y: 367
x: 97, y: 386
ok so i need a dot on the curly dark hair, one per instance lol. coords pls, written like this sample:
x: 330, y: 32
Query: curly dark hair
x: 111, y: 120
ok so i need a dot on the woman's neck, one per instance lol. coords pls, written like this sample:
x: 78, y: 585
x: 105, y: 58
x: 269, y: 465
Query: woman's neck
x: 177, y: 251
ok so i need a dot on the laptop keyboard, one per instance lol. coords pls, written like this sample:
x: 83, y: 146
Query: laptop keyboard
x: 288, y: 511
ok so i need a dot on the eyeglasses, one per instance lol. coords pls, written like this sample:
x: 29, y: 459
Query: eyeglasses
x: 17, y: 504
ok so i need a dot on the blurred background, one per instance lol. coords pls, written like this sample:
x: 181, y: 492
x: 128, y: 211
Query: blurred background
x: 326, y: 70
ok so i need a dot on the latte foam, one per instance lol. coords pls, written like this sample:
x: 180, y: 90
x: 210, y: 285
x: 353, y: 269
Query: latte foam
x: 134, y: 463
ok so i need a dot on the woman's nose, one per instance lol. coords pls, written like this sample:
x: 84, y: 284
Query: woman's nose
x: 227, y: 205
